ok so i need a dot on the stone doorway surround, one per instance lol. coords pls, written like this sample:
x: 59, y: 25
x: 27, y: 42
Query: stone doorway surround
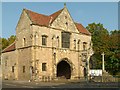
x: 64, y: 69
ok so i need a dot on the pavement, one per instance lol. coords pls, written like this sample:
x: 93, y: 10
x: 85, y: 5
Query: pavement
x: 27, y: 84
x: 58, y: 84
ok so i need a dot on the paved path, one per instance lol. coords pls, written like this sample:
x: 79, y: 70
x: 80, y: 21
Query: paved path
x: 67, y: 84
x: 26, y: 84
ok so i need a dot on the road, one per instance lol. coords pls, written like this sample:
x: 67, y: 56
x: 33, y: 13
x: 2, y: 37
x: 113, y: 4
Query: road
x: 26, y: 84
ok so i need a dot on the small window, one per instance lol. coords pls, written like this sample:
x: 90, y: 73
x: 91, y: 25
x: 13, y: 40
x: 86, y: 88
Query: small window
x: 5, y: 62
x: 78, y: 44
x: 23, y: 69
x: 43, y: 66
x: 13, y: 69
x: 65, y: 17
x: 57, y: 41
x: 24, y: 42
x: 44, y: 40
x: 84, y: 45
x: 74, y: 44
x: 66, y: 23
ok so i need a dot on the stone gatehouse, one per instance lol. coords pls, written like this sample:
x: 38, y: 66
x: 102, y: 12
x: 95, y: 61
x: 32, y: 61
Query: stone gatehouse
x: 47, y: 47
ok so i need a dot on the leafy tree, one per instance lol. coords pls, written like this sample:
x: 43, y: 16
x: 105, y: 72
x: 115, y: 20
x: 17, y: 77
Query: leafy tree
x: 7, y: 42
x: 113, y: 59
x: 4, y: 43
x: 0, y: 45
x: 11, y: 39
x: 108, y: 43
x: 100, y: 38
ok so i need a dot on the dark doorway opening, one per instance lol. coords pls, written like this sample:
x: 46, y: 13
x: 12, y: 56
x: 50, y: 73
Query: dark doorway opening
x: 64, y: 70
x: 85, y: 72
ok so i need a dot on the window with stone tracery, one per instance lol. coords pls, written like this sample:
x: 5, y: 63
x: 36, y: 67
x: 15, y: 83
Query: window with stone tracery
x: 65, y: 40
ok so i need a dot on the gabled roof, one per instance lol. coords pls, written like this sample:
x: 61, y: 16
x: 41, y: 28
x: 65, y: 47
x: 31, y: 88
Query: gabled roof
x: 82, y: 29
x: 40, y: 19
x: 36, y: 18
x: 11, y: 47
x: 55, y: 15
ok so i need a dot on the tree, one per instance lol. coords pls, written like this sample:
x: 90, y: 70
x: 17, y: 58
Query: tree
x: 100, y: 38
x: 4, y: 43
x: 7, y: 42
x: 113, y: 59
x: 11, y: 39
x: 108, y: 43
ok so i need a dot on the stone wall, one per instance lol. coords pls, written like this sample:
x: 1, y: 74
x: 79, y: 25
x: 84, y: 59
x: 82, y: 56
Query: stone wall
x: 33, y: 53
x: 9, y: 60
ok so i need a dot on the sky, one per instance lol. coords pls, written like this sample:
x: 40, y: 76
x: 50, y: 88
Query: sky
x: 85, y: 13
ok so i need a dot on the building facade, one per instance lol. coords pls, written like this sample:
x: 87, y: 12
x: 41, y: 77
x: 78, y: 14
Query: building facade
x: 47, y: 48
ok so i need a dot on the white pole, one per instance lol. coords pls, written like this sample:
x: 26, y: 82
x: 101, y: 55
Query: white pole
x: 103, y: 66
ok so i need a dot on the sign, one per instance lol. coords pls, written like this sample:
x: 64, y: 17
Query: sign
x: 95, y: 72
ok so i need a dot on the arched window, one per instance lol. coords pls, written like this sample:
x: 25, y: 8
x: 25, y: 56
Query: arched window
x: 74, y: 44
x: 58, y: 41
x: 78, y: 44
x: 24, y: 42
x: 84, y: 46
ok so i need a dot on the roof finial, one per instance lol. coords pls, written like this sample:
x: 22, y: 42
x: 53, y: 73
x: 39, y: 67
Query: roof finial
x: 64, y: 4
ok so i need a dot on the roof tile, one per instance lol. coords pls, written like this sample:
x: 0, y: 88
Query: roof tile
x: 39, y: 19
x: 9, y: 48
x: 82, y: 29
x: 45, y: 20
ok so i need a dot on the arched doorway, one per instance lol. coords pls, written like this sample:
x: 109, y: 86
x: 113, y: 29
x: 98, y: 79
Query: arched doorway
x: 63, y: 70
